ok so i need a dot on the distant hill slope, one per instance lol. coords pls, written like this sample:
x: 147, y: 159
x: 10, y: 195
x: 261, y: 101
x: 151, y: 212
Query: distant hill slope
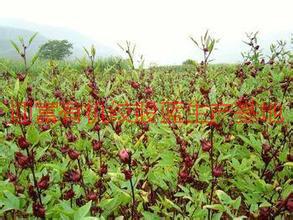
x: 9, y: 33
x: 18, y: 27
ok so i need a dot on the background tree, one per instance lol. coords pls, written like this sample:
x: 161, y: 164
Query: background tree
x: 56, y: 50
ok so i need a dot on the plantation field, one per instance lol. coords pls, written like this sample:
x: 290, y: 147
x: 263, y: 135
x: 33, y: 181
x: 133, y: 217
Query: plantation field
x: 105, y: 139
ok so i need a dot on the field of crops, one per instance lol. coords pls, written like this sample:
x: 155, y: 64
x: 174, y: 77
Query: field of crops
x: 101, y: 139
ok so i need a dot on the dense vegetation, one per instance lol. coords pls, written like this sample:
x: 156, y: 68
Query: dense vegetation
x: 235, y: 164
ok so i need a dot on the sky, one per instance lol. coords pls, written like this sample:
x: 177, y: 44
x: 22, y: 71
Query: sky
x: 161, y: 28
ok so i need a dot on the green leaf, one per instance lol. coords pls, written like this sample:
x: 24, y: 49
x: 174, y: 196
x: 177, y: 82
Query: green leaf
x: 82, y: 211
x: 11, y: 201
x: 93, y: 51
x: 16, y: 88
x: 34, y: 59
x: 218, y: 207
x: 290, y: 164
x: 224, y: 198
x: 86, y: 51
x: 15, y: 46
x: 20, y: 38
x: 150, y: 216
x: 32, y: 38
x: 32, y: 134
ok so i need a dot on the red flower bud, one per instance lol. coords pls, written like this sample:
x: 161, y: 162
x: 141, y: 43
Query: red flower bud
x: 127, y: 174
x: 97, y: 145
x: 266, y: 148
x: 22, y: 142
x: 43, y: 182
x: 66, y: 122
x: 218, y: 171
x: 9, y: 137
x: 290, y: 157
x: 57, y: 93
x: 264, y: 213
x: 39, y: 210
x: 97, y: 127
x: 21, y: 76
x: 103, y: 169
x: 266, y: 157
x: 26, y: 122
x: 151, y: 104
x: 6, y: 102
x: 183, y: 176
x: 45, y: 127
x: 188, y: 161
x: 148, y: 91
x: 11, y: 177
x: 289, y: 205
x: 205, y: 145
x: 118, y: 128
x: 75, y: 176
x: 19, y: 189
x: 125, y: 156
x: 22, y: 160
x: 32, y: 193
x: 6, y: 124
x: 64, y: 149
x: 2, y: 113
x: 134, y: 85
x: 73, y: 154
x: 92, y: 196
x: 69, y: 194
x: 70, y: 136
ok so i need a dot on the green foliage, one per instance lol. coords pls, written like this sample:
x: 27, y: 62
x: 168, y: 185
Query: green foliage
x: 256, y: 157
x: 56, y: 50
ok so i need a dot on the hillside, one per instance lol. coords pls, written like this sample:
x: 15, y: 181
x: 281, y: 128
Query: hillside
x: 9, y: 33
x: 12, y: 28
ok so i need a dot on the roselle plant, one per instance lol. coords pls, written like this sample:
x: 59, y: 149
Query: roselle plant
x: 203, y: 141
